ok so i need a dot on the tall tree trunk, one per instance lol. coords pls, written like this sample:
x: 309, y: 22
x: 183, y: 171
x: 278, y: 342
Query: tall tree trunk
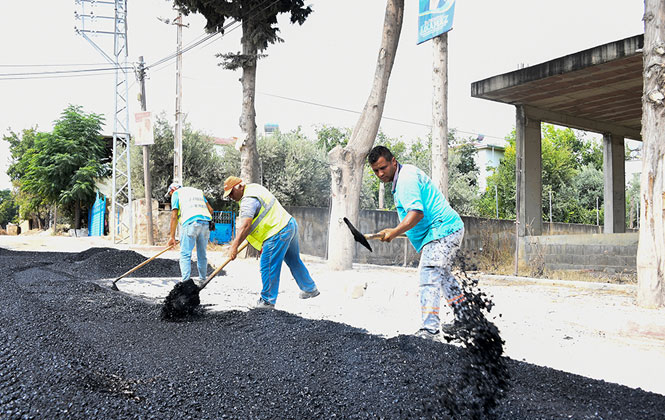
x: 440, y: 113
x: 55, y: 218
x: 651, y: 249
x: 249, y: 156
x: 77, y: 214
x: 346, y: 164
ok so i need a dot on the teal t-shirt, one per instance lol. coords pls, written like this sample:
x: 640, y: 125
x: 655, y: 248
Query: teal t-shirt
x: 175, y: 204
x: 414, y: 190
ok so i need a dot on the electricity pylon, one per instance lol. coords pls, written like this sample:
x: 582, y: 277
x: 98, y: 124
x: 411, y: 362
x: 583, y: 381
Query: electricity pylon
x: 114, y: 23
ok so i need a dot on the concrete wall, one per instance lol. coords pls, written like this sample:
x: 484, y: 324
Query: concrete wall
x: 561, y: 245
x: 613, y: 253
x: 313, y: 229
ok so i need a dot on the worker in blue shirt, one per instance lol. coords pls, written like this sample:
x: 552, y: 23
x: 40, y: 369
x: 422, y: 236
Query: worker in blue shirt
x: 191, y: 209
x: 433, y: 228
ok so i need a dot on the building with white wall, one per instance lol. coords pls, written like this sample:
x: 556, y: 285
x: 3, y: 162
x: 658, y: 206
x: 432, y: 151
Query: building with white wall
x: 487, y: 159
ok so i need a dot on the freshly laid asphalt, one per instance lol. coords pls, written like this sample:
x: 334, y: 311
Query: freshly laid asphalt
x: 72, y: 349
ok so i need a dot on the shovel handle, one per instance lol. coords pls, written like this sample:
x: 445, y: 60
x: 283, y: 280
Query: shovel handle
x: 218, y: 269
x: 143, y: 263
x: 380, y: 235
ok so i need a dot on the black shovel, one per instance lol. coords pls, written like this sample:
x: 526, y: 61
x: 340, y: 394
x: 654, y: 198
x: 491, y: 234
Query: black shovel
x: 362, y: 239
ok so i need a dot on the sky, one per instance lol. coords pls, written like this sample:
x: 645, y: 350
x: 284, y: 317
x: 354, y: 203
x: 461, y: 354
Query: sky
x: 320, y: 75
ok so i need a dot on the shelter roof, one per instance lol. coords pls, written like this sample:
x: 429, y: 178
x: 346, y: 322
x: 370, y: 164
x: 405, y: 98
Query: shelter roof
x: 598, y: 89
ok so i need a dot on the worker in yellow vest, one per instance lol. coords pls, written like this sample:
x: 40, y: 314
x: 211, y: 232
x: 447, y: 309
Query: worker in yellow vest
x: 273, y: 231
x: 191, y: 209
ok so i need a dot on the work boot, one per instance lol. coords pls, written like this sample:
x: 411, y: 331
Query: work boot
x: 262, y: 304
x: 453, y: 329
x: 427, y: 334
x: 307, y: 295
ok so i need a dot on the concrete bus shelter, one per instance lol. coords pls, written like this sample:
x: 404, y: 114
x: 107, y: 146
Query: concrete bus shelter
x: 598, y: 90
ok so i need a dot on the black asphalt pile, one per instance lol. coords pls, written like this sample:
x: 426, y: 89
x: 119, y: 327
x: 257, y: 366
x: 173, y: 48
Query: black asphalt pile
x: 108, y: 263
x: 181, y: 301
x: 70, y: 349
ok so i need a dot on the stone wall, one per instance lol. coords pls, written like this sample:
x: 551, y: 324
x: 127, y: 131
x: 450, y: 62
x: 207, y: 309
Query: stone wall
x: 13, y: 229
x: 140, y: 211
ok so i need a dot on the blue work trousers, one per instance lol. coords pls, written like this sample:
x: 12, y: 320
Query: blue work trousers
x: 196, y: 234
x: 283, y: 246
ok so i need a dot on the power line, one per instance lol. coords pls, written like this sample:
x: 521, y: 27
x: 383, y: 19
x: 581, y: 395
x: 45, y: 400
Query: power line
x: 199, y: 42
x: 74, y: 73
x: 358, y: 112
x: 57, y: 76
x: 63, y: 71
x: 51, y: 65
x: 184, y: 50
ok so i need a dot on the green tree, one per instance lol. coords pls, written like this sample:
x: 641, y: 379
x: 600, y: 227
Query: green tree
x: 295, y: 169
x: 632, y: 201
x: 60, y: 167
x: 83, y: 159
x: 203, y: 167
x: 21, y: 147
x: 462, y: 183
x: 569, y: 170
x: 465, y: 162
x: 585, y: 151
x: 8, y: 208
x: 259, y: 29
x: 328, y: 137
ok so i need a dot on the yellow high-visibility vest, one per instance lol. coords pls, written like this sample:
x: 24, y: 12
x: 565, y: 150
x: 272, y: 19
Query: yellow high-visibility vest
x: 271, y: 218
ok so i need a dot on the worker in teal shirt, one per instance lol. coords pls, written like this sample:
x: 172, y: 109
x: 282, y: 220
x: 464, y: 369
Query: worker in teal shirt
x: 191, y: 209
x: 433, y: 228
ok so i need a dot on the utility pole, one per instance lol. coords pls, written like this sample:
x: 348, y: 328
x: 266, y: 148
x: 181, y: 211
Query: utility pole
x: 440, y: 113
x: 550, y: 208
x: 146, y: 157
x: 382, y: 194
x: 177, y: 143
x: 496, y: 200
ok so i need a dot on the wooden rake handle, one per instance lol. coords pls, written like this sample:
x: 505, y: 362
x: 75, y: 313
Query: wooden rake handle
x: 143, y: 263
x: 221, y: 267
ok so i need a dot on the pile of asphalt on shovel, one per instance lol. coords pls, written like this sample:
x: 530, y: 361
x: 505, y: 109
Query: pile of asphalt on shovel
x: 71, y: 348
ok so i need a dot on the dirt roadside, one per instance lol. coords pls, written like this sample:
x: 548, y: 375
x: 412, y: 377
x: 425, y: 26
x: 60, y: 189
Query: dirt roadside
x: 591, y: 329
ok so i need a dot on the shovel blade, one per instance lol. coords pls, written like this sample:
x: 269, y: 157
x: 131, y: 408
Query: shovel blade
x: 359, y: 237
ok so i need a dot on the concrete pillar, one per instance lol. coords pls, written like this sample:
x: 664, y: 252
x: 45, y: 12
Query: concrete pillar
x: 529, y: 159
x: 615, y: 185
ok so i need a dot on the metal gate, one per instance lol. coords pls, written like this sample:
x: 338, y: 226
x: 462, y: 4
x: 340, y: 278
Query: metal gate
x: 225, y: 227
x: 96, y: 217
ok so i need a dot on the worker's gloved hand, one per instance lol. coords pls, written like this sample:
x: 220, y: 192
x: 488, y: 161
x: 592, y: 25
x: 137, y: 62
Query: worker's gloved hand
x: 387, y: 235
x: 211, y: 225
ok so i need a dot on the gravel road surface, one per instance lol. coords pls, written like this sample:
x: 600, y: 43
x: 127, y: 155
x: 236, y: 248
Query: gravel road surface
x: 70, y: 348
